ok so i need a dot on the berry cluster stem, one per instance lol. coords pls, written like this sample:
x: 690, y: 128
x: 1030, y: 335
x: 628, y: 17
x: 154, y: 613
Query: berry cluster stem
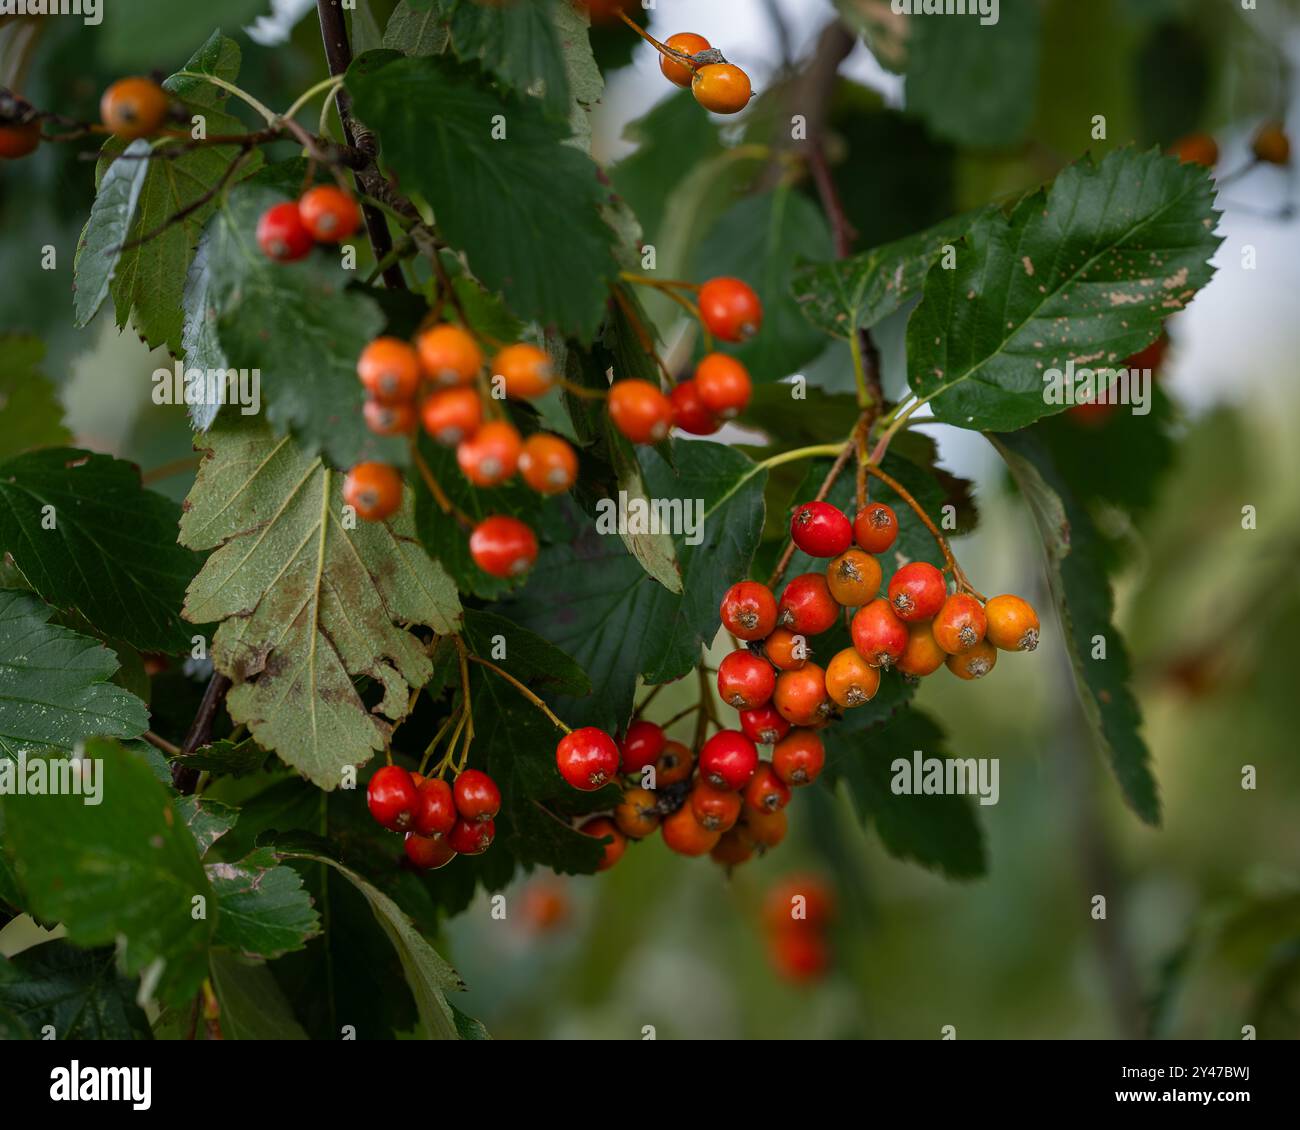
x: 663, y: 49
x: 523, y: 690
x: 843, y: 453
x: 440, y: 496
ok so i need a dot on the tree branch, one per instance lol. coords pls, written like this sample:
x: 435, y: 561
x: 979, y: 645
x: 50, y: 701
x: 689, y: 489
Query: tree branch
x: 185, y: 778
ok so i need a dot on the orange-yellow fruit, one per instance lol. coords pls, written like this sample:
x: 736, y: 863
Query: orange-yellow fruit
x: 1012, y: 623
x: 133, y: 107
x: 1271, y: 144
x: 850, y: 680
x: 974, y: 664
x: 923, y: 655
x: 688, y: 43
x: 1196, y: 149
x: 548, y: 464
x: 854, y: 578
x: 449, y: 355
x: 960, y: 624
x: 721, y: 87
x: 526, y: 370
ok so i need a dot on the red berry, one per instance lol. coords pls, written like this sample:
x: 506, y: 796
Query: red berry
x: 477, y: 796
x: 917, y: 591
x: 799, y: 954
x: 717, y: 810
x: 766, y: 829
x: 766, y: 792
x: 875, y: 527
x: 960, y: 624
x: 730, y: 309
x: 674, y: 765
x: 602, y: 827
x: 373, y: 490
x: 799, y: 758
x: 745, y: 680
x: 820, y: 529
x: 641, y: 746
x: 491, y: 455
x: 749, y: 610
x: 389, y: 419
x: 724, y: 385
x: 879, y: 636
x: 281, y: 234
x: 449, y: 355
x: 764, y: 725
x: 428, y: 852
x: 548, y: 463
x: 734, y: 848
x: 587, y: 758
x: 452, y: 415
x: 689, y: 411
x: 435, y: 811
x: 503, y: 547
x: 18, y: 141
x: 640, y: 411
x: 329, y: 213
x: 807, y: 607
x: 728, y: 760
x: 685, y: 835
x: 392, y: 798
x: 472, y: 837
x: 802, y: 899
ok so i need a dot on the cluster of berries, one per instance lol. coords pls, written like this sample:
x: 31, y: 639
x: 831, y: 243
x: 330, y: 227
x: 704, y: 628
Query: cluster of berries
x: 439, y: 821
x: 130, y: 108
x: 727, y: 803
x: 1270, y: 146
x: 288, y: 231
x: 796, y: 913
x: 717, y: 85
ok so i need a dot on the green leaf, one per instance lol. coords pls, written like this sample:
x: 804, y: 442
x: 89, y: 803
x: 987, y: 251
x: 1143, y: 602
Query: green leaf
x: 263, y: 909
x: 306, y: 602
x: 1076, y: 574
x: 759, y: 240
x: 253, y: 1007
x: 1084, y: 274
x: 938, y: 831
x: 76, y: 993
x: 413, y: 31
x: 297, y: 324
x: 88, y: 536
x: 123, y: 871
x: 493, y: 199
x: 147, y: 281
x: 975, y: 83
x: 842, y: 297
x: 54, y: 688
x: 519, y: 44
x: 226, y: 758
x: 30, y: 412
x: 593, y: 600
x: 524, y: 654
x: 207, y: 820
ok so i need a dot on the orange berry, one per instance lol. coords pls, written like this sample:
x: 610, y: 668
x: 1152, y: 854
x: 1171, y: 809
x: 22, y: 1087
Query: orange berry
x: 786, y: 650
x: 373, y: 490
x: 525, y: 369
x: 734, y: 848
x: 640, y: 411
x: 801, y: 898
x: 723, y: 385
x: 602, y: 827
x: 730, y: 309
x: 133, y: 107
x: 329, y: 213
x: 674, y: 764
x: 390, y: 419
x: 449, y: 355
x: 452, y: 415
x: 1196, y: 149
x: 1012, y: 623
x: 717, y: 810
x: 389, y: 370
x: 548, y: 464
x: 798, y: 758
x: 800, y: 696
x: 974, y: 664
x: 854, y: 578
x: 687, y: 43
x: 922, y: 656
x: 721, y: 87
x: 960, y: 624
x: 636, y: 814
x: 850, y: 679
x: 491, y: 455
x: 684, y: 834
x: 1271, y: 144
x: 766, y: 829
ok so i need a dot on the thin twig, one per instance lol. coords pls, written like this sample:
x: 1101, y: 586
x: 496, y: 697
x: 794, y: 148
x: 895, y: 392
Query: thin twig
x: 523, y: 690
x: 185, y: 778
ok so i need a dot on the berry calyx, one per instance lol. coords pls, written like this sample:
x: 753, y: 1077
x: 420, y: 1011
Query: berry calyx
x: 640, y: 411
x: 641, y: 746
x: 472, y: 837
x: 724, y: 385
x: 854, y: 578
x: 690, y: 412
x: 526, y: 370
x: 637, y: 814
x: 974, y: 664
x: 281, y: 235
x: 1271, y: 144
x: 435, y: 808
x: 745, y: 680
x: 786, y: 650
x: 763, y: 725
x: 923, y: 655
x: 477, y: 796
x: 603, y: 828
x: 329, y: 213
x: 716, y: 809
x: 674, y: 765
x: 449, y: 355
x: 392, y: 798
x: 389, y: 370
x: 801, y: 696
x: 133, y: 107
x: 1196, y: 149
x: 548, y: 463
x: 721, y: 87
x: 879, y: 636
x: 807, y: 606
x: 820, y: 529
x: 491, y: 455
x: 799, y: 758
x: 1012, y: 623
x: 389, y: 419
x: 452, y: 415
x: 917, y: 591
x: 503, y: 546
x: 428, y: 853
x: 685, y: 43
x: 373, y: 490
x: 850, y: 679
x: 687, y: 836
x: 730, y: 309
x: 728, y: 760
x: 875, y: 527
x: 960, y: 624
x: 748, y: 610
x: 766, y: 792
x: 587, y: 758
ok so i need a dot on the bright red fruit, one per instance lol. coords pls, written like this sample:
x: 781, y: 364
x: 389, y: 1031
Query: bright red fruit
x: 728, y: 760
x: 879, y: 636
x: 766, y: 792
x: 602, y: 827
x: 587, y: 758
x: 800, y: 954
x: 282, y: 235
x: 435, y: 811
x: 716, y: 810
x: 798, y: 759
x: 641, y: 746
x: 917, y: 591
x: 730, y: 309
x: 392, y: 798
x: 820, y: 529
x: 764, y: 725
x: 472, y: 837
x: 640, y: 411
x: 807, y: 607
x: 690, y: 413
x: 477, y: 796
x: 749, y: 610
x: 745, y: 680
x: 723, y: 384
x: 875, y: 527
x: 428, y: 852
x: 503, y: 546
x: 329, y: 213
